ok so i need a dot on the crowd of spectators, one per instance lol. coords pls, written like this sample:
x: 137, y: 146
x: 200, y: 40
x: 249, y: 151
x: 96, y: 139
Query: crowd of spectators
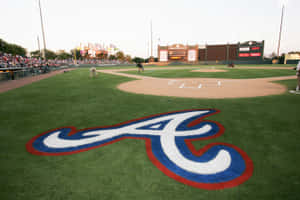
x: 16, y: 61
x: 101, y: 62
x: 16, y: 66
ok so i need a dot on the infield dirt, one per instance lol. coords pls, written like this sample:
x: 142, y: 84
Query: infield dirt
x: 215, y: 88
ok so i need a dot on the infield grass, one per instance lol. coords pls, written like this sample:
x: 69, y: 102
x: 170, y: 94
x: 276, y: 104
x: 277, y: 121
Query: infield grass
x: 267, y: 128
x: 230, y: 73
x: 217, y: 66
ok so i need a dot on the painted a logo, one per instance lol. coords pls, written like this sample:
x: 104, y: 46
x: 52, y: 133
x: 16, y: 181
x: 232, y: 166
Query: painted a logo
x: 168, y: 138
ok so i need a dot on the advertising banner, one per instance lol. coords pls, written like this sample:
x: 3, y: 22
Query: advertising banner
x: 163, y: 56
x: 192, y: 55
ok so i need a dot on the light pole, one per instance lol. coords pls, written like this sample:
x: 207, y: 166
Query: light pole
x: 38, y: 40
x: 151, y: 39
x: 42, y: 25
x: 282, y: 13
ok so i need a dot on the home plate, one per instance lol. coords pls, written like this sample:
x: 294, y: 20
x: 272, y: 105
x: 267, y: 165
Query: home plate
x: 294, y: 92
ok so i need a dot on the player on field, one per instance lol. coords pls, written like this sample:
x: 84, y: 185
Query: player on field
x: 298, y: 76
x: 140, y: 67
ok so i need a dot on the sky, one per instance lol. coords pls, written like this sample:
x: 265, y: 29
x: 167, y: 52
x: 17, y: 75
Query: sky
x: 126, y: 23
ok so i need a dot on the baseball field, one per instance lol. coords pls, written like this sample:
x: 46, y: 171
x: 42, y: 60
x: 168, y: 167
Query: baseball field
x: 265, y: 127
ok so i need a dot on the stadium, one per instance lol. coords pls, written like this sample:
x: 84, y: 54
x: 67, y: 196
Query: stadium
x: 213, y: 121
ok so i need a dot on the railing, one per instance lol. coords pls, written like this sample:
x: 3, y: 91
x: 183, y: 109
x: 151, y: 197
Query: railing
x: 19, y: 73
x: 4, y: 76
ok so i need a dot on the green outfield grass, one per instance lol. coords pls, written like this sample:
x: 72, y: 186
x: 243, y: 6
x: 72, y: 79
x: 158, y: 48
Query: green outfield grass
x: 267, y: 128
x: 226, y: 66
x: 190, y: 66
x: 230, y: 73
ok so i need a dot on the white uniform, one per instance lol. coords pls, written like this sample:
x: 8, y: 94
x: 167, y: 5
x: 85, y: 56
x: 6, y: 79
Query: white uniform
x: 298, y: 76
x: 298, y: 69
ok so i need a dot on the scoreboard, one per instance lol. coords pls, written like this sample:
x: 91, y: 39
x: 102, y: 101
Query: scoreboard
x: 242, y: 52
x: 251, y: 50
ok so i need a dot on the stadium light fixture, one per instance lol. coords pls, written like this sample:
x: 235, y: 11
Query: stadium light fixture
x: 283, y: 2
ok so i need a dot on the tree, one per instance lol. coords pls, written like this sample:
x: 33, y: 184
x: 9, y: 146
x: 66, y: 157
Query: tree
x: 64, y: 55
x: 138, y: 60
x: 101, y: 55
x: 112, y: 57
x: 128, y: 58
x: 120, y: 55
x: 12, y: 48
x: 36, y: 54
x: 50, y: 54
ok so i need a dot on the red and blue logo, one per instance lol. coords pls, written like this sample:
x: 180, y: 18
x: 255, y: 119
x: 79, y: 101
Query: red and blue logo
x: 168, y: 138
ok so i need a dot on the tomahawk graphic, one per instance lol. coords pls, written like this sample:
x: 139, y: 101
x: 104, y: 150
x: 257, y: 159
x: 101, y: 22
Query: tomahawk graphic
x: 169, y: 146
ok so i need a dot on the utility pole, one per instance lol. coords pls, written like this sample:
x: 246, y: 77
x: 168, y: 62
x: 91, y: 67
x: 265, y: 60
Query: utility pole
x: 151, y: 39
x: 38, y: 40
x: 42, y: 25
x: 148, y: 49
x: 282, y: 12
